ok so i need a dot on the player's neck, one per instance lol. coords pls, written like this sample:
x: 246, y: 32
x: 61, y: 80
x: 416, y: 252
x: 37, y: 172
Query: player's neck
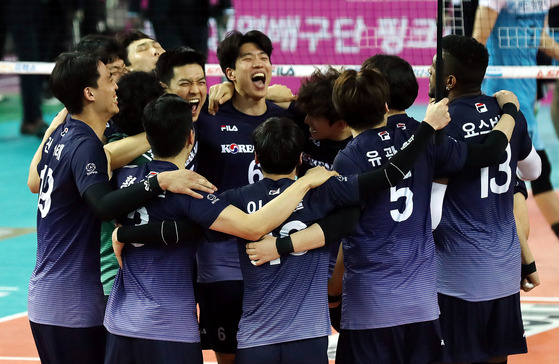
x: 343, y: 135
x: 454, y: 94
x: 277, y: 177
x: 395, y: 112
x: 356, y: 132
x: 179, y: 160
x: 248, y: 105
x: 95, y: 121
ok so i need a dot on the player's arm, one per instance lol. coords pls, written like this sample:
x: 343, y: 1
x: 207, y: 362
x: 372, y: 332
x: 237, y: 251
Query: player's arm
x: 252, y: 226
x: 109, y: 204
x: 529, y: 275
x: 223, y: 92
x: 121, y: 152
x: 530, y: 167
x: 484, y: 22
x: 231, y: 220
x: 331, y: 229
x: 33, y: 179
x: 335, y: 287
x: 491, y: 150
x: 334, y: 227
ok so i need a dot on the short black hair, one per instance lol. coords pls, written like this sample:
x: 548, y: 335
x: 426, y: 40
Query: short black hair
x: 125, y: 38
x: 167, y: 121
x: 278, y: 143
x: 360, y: 98
x: 401, y: 79
x: 176, y: 57
x: 228, y: 49
x: 135, y: 90
x: 315, y: 94
x: 106, y: 48
x: 72, y: 73
x: 466, y: 59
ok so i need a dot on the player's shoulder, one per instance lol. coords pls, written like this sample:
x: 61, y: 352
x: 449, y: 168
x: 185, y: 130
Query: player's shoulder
x: 276, y: 110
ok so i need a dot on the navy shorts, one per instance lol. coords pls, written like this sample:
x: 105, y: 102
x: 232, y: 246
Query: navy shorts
x: 61, y: 345
x: 417, y: 343
x: 477, y: 331
x: 309, y: 351
x: 130, y: 350
x: 221, y: 307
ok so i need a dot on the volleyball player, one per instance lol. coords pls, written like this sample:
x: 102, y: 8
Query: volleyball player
x: 403, y: 313
x: 225, y: 156
x: 65, y: 301
x: 493, y: 21
x: 182, y: 71
x: 313, y: 111
x: 152, y: 317
x: 107, y: 49
x: 299, y: 280
x: 142, y: 52
x: 478, y: 252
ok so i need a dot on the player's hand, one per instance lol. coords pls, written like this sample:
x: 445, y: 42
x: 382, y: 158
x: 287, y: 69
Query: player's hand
x: 263, y: 250
x: 219, y: 94
x: 530, y: 282
x: 280, y: 93
x: 437, y: 114
x: 317, y: 176
x: 185, y: 181
x: 505, y: 96
x: 117, y: 247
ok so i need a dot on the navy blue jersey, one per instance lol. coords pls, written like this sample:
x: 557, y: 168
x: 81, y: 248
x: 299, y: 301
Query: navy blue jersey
x: 321, y: 153
x: 153, y: 295
x: 389, y: 259
x: 65, y: 287
x: 286, y: 299
x: 226, y: 158
x: 478, y: 251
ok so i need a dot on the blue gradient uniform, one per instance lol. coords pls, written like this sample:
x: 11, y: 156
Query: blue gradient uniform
x: 65, y: 287
x: 286, y: 300
x: 478, y: 252
x: 153, y: 295
x: 389, y: 259
x: 226, y: 158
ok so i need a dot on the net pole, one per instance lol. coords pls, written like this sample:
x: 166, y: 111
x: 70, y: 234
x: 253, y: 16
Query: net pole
x: 439, y: 87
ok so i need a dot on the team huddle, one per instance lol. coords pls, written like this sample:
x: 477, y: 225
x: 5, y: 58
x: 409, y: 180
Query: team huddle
x: 278, y: 216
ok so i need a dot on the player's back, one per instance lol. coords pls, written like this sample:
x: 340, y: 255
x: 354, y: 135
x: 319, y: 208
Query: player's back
x: 66, y: 277
x: 477, y: 232
x: 158, y: 306
x: 298, y: 281
x: 389, y: 259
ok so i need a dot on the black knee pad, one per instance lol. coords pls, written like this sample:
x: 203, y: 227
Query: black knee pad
x: 543, y: 182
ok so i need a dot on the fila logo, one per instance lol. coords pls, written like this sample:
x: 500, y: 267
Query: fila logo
x: 481, y: 108
x: 234, y: 148
x: 274, y: 192
x: 384, y: 135
x: 401, y: 126
x: 229, y: 128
